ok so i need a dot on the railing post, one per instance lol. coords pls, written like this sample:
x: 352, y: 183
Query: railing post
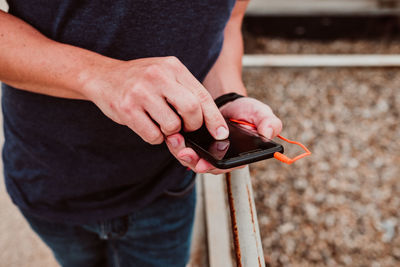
x: 246, y: 232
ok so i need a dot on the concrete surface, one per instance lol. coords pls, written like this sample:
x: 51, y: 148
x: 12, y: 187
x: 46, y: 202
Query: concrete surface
x: 3, y: 5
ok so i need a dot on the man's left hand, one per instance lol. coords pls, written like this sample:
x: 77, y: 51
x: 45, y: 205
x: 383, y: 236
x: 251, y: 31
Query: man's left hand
x: 246, y: 109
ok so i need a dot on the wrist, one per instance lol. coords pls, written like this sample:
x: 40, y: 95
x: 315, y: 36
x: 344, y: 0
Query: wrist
x: 226, y: 98
x: 95, y: 76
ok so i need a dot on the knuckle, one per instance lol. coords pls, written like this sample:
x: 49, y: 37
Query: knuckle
x: 203, y: 96
x: 137, y: 87
x: 159, y: 141
x: 193, y: 124
x: 129, y: 103
x: 155, y: 138
x: 125, y: 106
x: 172, y: 60
x: 149, y: 134
x: 144, y: 97
x: 171, y: 127
x: 140, y: 94
x: 174, y: 63
x: 153, y: 71
x: 190, y: 106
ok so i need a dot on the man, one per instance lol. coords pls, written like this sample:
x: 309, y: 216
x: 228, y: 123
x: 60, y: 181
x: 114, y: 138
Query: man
x: 95, y: 95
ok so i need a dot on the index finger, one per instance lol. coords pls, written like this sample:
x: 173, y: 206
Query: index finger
x: 212, y: 116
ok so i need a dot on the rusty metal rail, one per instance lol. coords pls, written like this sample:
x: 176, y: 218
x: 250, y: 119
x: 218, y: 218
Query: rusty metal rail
x: 226, y: 230
x: 246, y: 232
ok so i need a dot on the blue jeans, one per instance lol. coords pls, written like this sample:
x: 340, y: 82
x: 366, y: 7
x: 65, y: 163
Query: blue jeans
x: 158, y: 235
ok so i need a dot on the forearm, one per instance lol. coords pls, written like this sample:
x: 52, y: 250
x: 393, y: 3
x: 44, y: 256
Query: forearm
x: 226, y: 74
x: 32, y: 62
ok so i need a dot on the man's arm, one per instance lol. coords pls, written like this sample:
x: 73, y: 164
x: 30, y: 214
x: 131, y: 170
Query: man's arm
x: 226, y: 74
x: 134, y: 93
x: 30, y: 61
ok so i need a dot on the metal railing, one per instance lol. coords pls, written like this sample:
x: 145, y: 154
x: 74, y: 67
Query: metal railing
x: 334, y: 60
x: 226, y: 230
x: 323, y: 7
x: 246, y: 232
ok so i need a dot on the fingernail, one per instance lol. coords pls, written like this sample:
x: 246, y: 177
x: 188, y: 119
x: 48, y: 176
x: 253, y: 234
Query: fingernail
x: 173, y: 141
x: 222, y: 133
x: 268, y: 133
x: 222, y: 145
x: 186, y: 159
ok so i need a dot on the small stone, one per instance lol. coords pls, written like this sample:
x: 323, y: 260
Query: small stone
x: 330, y: 127
x: 264, y: 220
x: 332, y: 262
x: 396, y: 253
x: 319, y: 197
x: 347, y: 260
x: 367, y: 113
x: 286, y: 228
x: 275, y: 256
x: 382, y: 106
x: 284, y: 259
x: 307, y: 124
x: 272, y: 201
x: 330, y: 220
x: 290, y: 246
x: 307, y: 136
x: 311, y: 211
x: 324, y: 166
x: 378, y: 162
x: 300, y: 184
x: 333, y: 184
x: 353, y: 163
x: 388, y: 229
x: 314, y: 255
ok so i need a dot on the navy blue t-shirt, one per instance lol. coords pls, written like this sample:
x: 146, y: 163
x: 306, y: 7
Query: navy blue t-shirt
x: 64, y: 160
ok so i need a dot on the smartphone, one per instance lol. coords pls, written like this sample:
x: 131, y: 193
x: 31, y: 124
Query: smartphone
x: 243, y: 146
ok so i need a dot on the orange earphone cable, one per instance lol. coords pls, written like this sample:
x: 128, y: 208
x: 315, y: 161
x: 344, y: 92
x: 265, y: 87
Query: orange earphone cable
x: 279, y: 156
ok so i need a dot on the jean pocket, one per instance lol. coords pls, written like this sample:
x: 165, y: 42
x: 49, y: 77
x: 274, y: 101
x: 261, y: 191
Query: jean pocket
x: 184, y: 188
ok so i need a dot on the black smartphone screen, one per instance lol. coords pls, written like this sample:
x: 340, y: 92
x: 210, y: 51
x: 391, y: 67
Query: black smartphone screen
x: 242, y: 147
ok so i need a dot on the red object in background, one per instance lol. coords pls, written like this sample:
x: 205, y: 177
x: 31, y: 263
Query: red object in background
x: 279, y: 156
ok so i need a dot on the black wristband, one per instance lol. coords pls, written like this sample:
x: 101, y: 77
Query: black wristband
x: 223, y: 99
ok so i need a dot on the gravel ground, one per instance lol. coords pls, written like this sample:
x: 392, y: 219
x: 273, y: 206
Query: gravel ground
x: 341, y: 206
x: 262, y: 45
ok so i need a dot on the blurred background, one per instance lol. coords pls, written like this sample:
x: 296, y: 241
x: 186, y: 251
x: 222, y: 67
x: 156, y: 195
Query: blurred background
x: 341, y: 206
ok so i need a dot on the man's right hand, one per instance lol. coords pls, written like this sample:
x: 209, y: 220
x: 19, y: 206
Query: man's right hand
x: 139, y: 94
